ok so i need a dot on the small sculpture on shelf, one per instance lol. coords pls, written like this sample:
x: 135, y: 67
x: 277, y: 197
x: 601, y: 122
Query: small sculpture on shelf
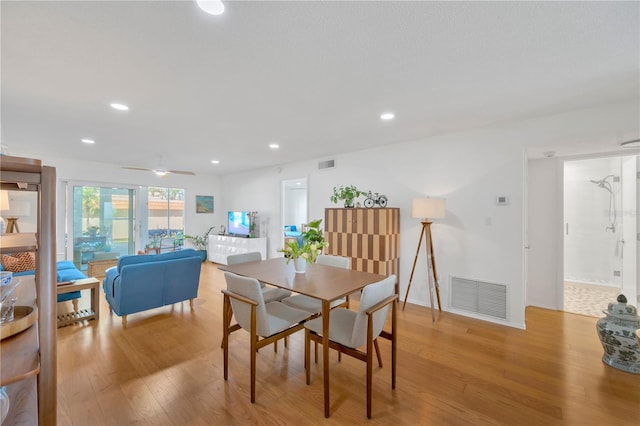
x: 374, y: 199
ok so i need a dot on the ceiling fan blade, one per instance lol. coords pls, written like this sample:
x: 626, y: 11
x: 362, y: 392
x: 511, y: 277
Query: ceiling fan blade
x: 181, y: 172
x: 161, y: 171
x: 137, y: 168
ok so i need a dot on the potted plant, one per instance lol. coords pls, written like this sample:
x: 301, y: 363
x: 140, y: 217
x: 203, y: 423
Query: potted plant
x: 348, y: 194
x: 312, y: 244
x: 153, y: 245
x: 199, y: 242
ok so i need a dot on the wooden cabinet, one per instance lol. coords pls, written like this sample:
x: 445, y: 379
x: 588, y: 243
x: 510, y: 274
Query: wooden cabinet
x: 221, y: 246
x: 28, y: 363
x: 370, y: 237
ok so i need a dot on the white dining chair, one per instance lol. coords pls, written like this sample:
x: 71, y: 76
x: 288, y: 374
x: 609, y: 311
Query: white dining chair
x: 270, y: 294
x: 265, y: 322
x: 350, y: 330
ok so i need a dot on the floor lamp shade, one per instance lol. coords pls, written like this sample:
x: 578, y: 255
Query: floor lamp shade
x: 428, y: 208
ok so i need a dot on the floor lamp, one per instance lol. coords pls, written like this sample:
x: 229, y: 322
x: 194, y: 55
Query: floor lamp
x: 426, y: 209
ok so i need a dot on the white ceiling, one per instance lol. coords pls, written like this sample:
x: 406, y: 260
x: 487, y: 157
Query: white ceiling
x: 311, y: 76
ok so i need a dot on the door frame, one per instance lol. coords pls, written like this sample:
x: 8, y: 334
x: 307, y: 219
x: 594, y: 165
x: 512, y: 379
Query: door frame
x: 561, y: 220
x: 65, y: 220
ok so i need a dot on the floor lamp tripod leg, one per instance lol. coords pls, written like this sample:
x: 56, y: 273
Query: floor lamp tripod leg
x: 429, y: 277
x: 413, y: 269
x: 433, y: 264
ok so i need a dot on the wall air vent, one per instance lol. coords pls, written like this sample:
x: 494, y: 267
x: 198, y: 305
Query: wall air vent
x: 479, y: 297
x: 327, y: 164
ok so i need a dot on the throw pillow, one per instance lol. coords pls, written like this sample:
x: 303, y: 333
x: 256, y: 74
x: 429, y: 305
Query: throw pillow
x: 19, y: 262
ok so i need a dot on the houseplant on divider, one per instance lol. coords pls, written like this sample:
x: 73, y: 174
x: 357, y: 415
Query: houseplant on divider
x: 312, y: 244
x: 199, y: 242
x: 348, y: 194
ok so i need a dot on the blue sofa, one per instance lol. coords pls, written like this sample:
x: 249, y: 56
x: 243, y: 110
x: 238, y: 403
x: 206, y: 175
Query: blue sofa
x: 142, y: 282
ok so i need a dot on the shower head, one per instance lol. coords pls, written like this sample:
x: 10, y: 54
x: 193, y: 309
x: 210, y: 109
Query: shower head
x: 602, y: 183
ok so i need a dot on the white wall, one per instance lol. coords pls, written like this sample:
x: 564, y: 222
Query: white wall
x: 477, y: 239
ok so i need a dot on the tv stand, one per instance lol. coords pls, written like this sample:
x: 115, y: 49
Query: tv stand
x: 221, y: 246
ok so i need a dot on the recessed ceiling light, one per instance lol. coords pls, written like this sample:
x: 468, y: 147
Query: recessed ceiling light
x: 88, y: 141
x: 631, y: 144
x: 215, y: 161
x: 119, y: 107
x: 212, y: 7
x: 387, y: 116
x: 298, y: 183
x: 274, y: 146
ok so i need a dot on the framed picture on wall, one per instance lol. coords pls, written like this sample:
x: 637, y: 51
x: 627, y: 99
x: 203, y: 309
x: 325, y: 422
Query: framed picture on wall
x: 204, y: 203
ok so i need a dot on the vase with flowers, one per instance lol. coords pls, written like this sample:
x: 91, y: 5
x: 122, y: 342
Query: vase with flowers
x: 312, y: 244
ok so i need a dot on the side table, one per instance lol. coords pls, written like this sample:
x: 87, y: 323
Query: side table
x: 82, y: 314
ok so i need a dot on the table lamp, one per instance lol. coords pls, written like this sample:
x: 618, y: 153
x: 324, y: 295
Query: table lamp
x: 427, y: 209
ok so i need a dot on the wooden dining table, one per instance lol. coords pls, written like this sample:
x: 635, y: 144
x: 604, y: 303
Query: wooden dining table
x: 326, y: 283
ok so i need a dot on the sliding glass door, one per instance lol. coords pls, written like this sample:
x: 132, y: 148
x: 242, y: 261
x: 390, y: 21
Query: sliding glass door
x: 103, y: 223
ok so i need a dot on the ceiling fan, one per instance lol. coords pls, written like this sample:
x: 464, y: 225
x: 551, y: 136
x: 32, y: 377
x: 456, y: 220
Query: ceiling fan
x: 161, y: 171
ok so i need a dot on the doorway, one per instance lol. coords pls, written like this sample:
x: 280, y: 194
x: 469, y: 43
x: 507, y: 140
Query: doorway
x: 294, y: 207
x: 102, y: 223
x: 600, y: 226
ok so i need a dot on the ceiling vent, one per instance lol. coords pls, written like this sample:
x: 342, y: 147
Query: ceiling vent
x: 327, y: 164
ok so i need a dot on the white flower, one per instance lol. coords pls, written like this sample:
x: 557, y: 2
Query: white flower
x: 304, y: 255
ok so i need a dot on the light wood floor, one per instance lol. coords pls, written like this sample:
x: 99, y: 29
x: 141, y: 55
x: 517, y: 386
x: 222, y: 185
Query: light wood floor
x: 165, y: 368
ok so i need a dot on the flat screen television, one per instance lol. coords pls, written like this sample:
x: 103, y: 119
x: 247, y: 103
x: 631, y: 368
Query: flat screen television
x: 239, y: 224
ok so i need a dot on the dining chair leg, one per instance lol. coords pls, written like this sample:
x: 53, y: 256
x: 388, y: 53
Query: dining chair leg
x: 227, y: 321
x: 307, y: 357
x: 375, y: 343
x: 225, y: 336
x: 394, y: 341
x: 315, y: 348
x: 254, y: 341
x: 369, y: 371
x: 275, y: 346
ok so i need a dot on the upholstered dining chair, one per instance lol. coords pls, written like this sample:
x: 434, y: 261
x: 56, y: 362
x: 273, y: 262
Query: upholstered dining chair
x: 266, y: 322
x: 350, y: 330
x: 270, y: 294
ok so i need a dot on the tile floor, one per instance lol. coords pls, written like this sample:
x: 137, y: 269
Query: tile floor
x: 588, y: 299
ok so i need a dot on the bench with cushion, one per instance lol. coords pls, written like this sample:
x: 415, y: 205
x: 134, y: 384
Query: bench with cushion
x: 24, y: 264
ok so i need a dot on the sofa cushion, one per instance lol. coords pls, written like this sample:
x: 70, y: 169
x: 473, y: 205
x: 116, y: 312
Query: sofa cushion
x: 61, y: 265
x: 19, y: 262
x: 69, y: 275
